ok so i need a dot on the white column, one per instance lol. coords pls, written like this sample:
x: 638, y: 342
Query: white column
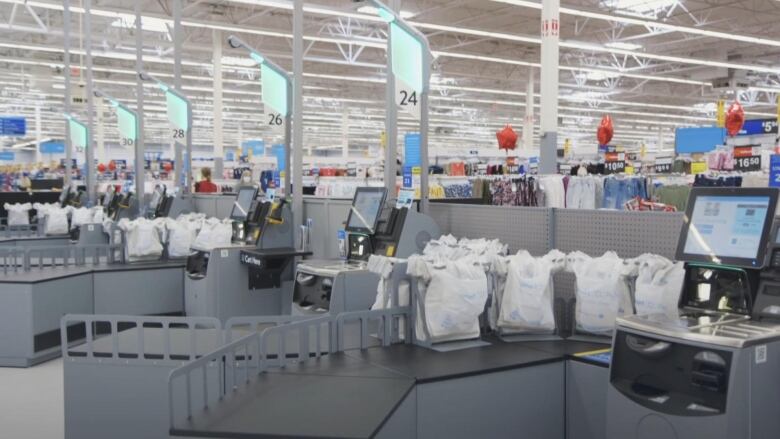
x: 89, y: 152
x: 38, y: 134
x: 101, y: 131
x: 345, y: 133
x: 528, y: 126
x: 219, y: 147
x: 549, y: 87
x: 660, y: 139
x: 297, y: 123
x: 391, y: 118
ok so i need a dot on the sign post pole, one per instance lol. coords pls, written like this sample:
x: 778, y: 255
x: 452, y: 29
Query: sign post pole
x: 410, y: 71
x: 180, y: 117
x: 277, y: 96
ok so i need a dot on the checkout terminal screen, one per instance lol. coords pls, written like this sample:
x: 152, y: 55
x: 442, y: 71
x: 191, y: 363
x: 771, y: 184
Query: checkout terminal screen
x: 365, y: 209
x: 727, y: 227
x: 243, y: 203
x: 156, y: 197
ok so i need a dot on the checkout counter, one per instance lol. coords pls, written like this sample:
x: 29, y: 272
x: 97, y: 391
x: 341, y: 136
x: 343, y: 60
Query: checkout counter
x: 372, y: 227
x: 712, y: 369
x: 252, y: 276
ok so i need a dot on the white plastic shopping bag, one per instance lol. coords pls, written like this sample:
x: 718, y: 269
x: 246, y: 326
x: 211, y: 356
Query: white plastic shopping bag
x: 658, y: 285
x: 81, y: 215
x: 18, y: 213
x: 526, y: 302
x: 454, y: 300
x: 601, y: 291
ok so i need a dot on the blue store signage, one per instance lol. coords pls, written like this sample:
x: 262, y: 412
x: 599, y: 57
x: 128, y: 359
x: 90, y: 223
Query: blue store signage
x: 774, y: 171
x: 13, y: 126
x: 7, y: 156
x: 52, y: 148
x: 757, y: 127
x: 412, y: 150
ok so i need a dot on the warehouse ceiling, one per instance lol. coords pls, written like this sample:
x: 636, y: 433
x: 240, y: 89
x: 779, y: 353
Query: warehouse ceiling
x: 650, y: 64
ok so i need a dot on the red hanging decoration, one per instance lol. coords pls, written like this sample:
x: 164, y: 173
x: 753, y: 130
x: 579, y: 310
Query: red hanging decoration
x: 507, y: 138
x: 101, y: 167
x: 605, y: 131
x: 735, y: 118
x: 167, y: 166
x: 112, y: 165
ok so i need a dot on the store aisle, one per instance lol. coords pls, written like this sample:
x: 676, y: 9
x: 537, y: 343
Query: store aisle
x: 31, y: 404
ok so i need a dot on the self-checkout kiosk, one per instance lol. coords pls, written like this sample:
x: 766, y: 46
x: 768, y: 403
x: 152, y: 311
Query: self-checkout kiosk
x: 712, y: 369
x: 239, y: 280
x: 373, y: 226
x: 165, y: 205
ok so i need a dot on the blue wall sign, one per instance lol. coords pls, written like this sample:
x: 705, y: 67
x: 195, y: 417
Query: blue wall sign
x: 407, y: 173
x: 774, y: 170
x: 8, y: 156
x: 256, y: 146
x: 698, y: 140
x: 757, y: 127
x: 52, y: 148
x: 13, y: 126
x: 278, y: 151
x: 412, y: 150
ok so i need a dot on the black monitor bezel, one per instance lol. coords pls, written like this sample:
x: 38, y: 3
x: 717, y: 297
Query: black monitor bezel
x: 249, y: 208
x: 358, y: 191
x: 756, y: 263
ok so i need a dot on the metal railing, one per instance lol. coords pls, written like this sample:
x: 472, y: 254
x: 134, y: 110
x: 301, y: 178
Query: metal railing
x: 24, y: 259
x: 195, y: 336
x: 242, y: 361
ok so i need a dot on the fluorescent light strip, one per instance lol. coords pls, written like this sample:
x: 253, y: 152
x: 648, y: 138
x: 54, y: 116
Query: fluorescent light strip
x: 649, y: 23
x: 476, y: 32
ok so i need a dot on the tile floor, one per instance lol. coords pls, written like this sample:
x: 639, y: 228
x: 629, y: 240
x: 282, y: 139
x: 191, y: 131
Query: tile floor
x: 31, y: 404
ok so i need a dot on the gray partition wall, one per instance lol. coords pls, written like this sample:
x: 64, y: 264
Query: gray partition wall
x: 526, y: 228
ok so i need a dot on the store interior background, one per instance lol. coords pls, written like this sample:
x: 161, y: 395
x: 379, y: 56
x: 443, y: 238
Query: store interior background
x: 486, y: 57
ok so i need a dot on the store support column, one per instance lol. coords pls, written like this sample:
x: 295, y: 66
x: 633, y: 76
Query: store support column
x: 140, y: 159
x: 345, y: 133
x: 38, y: 134
x: 66, y: 74
x: 549, y: 87
x: 89, y: 147
x: 297, y: 125
x: 391, y: 116
x: 219, y: 147
x: 528, y: 126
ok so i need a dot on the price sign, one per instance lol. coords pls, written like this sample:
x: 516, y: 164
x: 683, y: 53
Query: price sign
x: 663, y: 165
x: 614, y: 167
x: 407, y: 99
x: 747, y: 164
x: 698, y: 168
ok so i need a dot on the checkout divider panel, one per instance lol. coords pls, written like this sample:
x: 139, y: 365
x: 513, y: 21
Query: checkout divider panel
x: 527, y: 228
x: 328, y: 217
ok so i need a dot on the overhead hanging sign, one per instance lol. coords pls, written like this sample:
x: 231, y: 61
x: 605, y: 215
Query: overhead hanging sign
x: 13, y: 126
x: 78, y: 134
x: 52, y: 148
x: 407, y: 54
x: 128, y: 126
x: 178, y: 110
x: 721, y: 117
x: 275, y: 99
